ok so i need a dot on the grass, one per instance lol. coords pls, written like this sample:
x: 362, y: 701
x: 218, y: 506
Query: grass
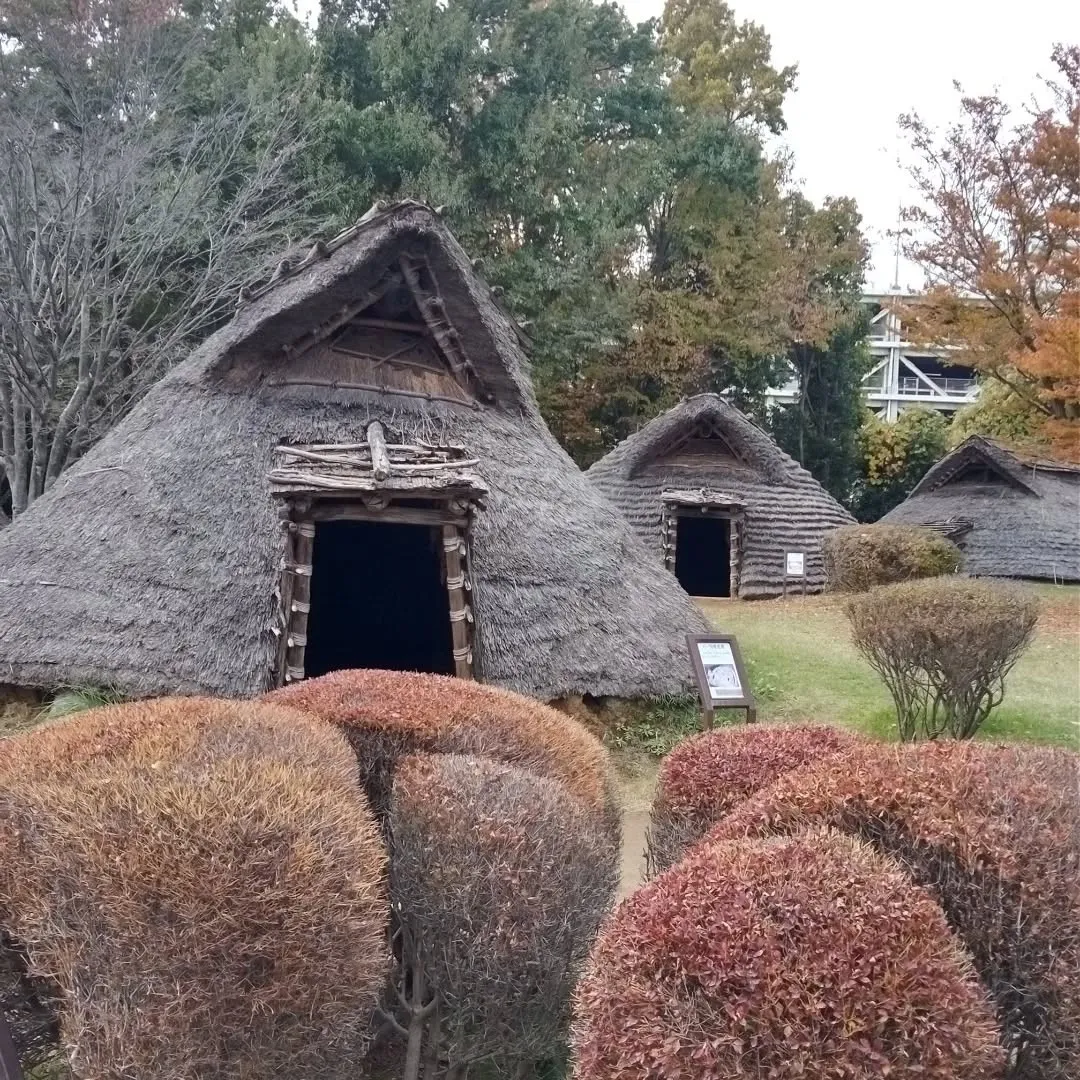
x: 803, y: 666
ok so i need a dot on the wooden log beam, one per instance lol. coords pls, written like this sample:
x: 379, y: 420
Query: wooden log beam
x: 380, y: 458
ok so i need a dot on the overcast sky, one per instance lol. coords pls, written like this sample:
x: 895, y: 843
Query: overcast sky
x: 861, y: 64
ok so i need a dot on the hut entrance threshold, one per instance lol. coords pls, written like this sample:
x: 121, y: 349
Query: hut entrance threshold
x: 375, y: 570
x: 703, y: 541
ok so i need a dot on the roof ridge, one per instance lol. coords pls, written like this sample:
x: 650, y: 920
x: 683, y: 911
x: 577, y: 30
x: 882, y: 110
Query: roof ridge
x: 321, y: 249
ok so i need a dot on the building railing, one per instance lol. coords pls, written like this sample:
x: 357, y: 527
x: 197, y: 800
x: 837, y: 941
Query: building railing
x: 910, y: 384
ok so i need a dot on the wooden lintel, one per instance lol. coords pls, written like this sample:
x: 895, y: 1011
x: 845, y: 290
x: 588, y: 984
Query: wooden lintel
x: 402, y: 515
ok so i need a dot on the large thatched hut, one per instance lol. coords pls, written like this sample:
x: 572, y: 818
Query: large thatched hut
x: 1012, y: 515
x: 719, y: 503
x: 351, y: 473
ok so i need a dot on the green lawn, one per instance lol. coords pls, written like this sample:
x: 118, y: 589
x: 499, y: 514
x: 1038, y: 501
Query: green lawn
x: 803, y: 666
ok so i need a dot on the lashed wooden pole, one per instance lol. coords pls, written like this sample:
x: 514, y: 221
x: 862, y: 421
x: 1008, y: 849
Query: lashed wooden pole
x: 9, y: 1059
x: 380, y: 456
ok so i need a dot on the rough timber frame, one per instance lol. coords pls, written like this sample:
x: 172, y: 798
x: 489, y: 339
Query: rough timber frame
x: 679, y: 505
x: 412, y: 485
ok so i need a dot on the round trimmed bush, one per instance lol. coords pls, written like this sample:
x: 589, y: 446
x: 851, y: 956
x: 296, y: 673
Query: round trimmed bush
x: 801, y: 957
x: 499, y: 883
x: 707, y: 775
x: 994, y: 833
x: 943, y: 649
x: 203, y: 884
x: 859, y: 557
x: 388, y: 714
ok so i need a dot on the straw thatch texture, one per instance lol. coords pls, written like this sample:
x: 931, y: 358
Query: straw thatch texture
x: 784, y: 507
x: 1024, y: 513
x: 152, y: 565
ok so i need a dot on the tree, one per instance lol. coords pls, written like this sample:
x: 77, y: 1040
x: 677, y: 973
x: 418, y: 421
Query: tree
x: 895, y: 458
x: 998, y: 235
x: 827, y: 324
x: 126, y: 231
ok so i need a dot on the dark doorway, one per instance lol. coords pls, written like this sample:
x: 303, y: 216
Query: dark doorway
x: 703, y: 555
x: 378, y: 599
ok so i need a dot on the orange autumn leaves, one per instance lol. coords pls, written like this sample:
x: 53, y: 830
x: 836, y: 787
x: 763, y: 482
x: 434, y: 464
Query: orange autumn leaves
x: 998, y: 233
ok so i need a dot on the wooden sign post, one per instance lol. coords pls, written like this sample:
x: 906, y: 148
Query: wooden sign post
x: 9, y: 1060
x: 721, y: 677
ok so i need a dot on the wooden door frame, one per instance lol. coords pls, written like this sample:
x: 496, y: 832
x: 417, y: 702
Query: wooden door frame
x: 734, y: 515
x: 301, y: 515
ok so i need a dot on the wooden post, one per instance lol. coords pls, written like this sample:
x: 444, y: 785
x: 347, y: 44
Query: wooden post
x: 380, y: 456
x: 459, y: 608
x: 300, y: 604
x: 9, y: 1059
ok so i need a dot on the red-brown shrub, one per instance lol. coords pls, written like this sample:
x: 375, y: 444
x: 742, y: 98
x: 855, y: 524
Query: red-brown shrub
x: 707, y: 775
x: 794, y: 958
x: 994, y: 833
x: 204, y: 884
x: 499, y: 883
x: 387, y: 714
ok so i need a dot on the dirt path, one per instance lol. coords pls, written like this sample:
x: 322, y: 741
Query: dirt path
x: 634, y: 826
x: 636, y: 772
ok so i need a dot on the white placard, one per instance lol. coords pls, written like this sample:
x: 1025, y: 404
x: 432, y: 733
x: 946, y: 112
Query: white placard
x: 796, y: 564
x: 720, y: 671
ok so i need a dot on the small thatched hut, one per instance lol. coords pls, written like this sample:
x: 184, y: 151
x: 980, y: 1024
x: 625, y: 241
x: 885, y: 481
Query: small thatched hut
x: 719, y: 503
x: 352, y: 473
x: 1012, y: 515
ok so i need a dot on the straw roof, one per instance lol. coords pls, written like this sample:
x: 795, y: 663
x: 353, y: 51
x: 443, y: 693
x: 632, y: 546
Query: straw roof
x: 1024, y: 512
x: 706, y: 445
x: 154, y: 563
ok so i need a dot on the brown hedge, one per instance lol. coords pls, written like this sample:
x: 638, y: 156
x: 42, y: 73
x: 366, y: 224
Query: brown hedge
x: 203, y: 883
x: 859, y: 557
x: 499, y: 883
x: 801, y: 957
x: 994, y: 833
x: 943, y: 648
x: 388, y: 714
x: 707, y: 775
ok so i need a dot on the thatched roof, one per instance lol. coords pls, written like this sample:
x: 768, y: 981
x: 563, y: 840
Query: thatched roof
x: 706, y: 445
x: 1024, y: 512
x: 152, y: 565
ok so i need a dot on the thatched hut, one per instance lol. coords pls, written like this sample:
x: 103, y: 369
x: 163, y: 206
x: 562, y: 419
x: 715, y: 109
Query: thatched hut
x: 1012, y: 515
x: 719, y: 503
x: 351, y: 473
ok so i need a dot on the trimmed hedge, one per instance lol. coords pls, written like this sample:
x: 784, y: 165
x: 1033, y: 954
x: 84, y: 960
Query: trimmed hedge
x: 859, y: 557
x: 994, y: 833
x: 500, y: 883
x: 800, y: 957
x: 705, y: 776
x: 204, y: 884
x: 389, y: 714
x: 943, y: 648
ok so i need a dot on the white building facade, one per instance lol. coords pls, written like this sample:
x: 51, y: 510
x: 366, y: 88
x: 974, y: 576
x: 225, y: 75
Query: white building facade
x: 903, y: 374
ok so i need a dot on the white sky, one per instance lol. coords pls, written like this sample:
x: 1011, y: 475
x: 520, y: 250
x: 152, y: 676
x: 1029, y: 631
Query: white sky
x: 862, y: 64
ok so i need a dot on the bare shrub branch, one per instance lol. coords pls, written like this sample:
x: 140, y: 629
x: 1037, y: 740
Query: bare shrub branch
x: 944, y: 649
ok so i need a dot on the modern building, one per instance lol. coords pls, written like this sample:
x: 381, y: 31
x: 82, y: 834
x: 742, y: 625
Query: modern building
x: 904, y: 373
